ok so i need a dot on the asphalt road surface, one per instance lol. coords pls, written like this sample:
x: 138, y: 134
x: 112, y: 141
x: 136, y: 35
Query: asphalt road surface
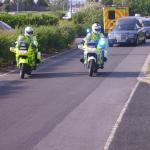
x: 61, y: 108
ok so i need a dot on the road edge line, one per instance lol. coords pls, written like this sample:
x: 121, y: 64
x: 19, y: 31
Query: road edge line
x: 114, y: 129
x: 143, y: 72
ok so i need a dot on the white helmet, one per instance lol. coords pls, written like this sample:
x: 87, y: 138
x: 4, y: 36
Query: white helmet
x: 28, y: 31
x: 96, y: 28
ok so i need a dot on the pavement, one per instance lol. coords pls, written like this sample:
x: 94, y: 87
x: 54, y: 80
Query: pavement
x: 133, y: 132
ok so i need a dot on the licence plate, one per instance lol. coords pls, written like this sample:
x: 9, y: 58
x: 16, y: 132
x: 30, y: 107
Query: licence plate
x: 121, y: 38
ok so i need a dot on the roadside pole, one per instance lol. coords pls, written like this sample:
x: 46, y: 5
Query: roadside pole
x: 71, y: 7
x: 17, y: 6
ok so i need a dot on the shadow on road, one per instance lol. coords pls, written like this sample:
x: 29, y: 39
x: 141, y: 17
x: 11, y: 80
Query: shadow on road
x: 10, y: 87
x: 118, y: 74
x: 81, y: 74
x: 57, y: 75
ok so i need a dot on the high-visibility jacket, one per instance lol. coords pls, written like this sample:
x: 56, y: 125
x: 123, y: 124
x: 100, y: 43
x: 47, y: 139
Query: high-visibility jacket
x: 92, y: 36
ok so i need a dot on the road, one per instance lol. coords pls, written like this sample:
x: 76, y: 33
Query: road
x: 61, y: 108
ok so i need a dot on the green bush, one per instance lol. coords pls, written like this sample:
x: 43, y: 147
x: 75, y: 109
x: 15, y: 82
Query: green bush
x: 89, y: 15
x: 54, y: 37
x: 6, y: 39
x: 50, y: 38
x: 19, y: 20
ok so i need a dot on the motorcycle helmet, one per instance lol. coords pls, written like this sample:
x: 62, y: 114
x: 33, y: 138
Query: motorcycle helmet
x: 28, y: 31
x: 96, y: 28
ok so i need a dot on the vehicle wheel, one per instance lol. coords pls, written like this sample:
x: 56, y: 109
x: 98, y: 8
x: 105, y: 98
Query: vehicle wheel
x: 137, y: 42
x: 29, y: 72
x: 111, y: 45
x: 91, y: 67
x: 96, y: 70
x: 22, y: 72
x: 144, y: 41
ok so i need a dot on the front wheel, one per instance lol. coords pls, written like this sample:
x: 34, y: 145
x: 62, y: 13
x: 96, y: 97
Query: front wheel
x: 144, y: 40
x: 91, y: 67
x: 22, y: 71
x: 137, y: 41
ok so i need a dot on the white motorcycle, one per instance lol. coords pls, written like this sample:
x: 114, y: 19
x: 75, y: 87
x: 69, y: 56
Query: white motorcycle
x: 91, y: 57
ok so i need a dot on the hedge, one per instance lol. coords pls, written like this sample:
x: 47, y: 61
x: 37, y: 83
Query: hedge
x: 23, y: 19
x: 6, y: 39
x: 89, y: 15
x: 50, y: 38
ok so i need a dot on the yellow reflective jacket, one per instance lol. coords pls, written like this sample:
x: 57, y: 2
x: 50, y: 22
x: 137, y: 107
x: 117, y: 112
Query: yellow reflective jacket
x: 92, y: 36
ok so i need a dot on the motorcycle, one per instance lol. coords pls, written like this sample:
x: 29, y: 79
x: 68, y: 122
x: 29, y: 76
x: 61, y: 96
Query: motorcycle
x: 25, y: 57
x: 92, y: 59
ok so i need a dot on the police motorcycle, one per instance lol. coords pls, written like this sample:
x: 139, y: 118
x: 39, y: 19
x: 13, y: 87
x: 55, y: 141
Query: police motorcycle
x: 25, y: 57
x: 94, y: 58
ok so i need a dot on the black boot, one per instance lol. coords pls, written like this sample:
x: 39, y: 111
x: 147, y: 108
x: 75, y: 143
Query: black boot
x: 105, y: 59
x: 82, y: 60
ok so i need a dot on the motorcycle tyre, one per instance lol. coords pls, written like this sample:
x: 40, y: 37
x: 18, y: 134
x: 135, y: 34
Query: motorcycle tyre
x: 91, y: 67
x: 22, y: 71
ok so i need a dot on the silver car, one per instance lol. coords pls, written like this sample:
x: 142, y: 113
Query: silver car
x: 5, y: 26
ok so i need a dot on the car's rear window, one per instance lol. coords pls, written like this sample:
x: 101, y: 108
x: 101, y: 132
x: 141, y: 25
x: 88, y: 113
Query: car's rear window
x: 125, y: 26
x: 127, y: 21
x: 146, y: 23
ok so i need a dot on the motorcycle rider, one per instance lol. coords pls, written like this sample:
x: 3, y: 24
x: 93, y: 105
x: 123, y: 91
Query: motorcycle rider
x: 31, y: 43
x: 95, y: 36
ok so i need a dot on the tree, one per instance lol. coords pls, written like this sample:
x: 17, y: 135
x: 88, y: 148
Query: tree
x: 140, y: 7
x: 59, y: 4
x: 42, y: 2
x: 5, y: 6
x: 107, y: 2
x: 27, y: 2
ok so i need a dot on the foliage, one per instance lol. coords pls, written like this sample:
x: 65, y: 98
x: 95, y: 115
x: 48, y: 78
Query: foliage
x: 89, y: 15
x: 59, y: 4
x: 29, y: 19
x: 50, y: 39
x: 135, y: 6
x: 107, y: 2
x: 6, y: 39
x: 140, y: 7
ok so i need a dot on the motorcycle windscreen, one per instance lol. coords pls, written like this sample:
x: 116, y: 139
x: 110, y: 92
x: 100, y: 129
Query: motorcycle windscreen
x: 23, y: 60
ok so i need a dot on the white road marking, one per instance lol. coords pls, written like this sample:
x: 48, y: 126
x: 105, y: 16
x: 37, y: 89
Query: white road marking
x: 5, y: 74
x: 114, y: 129
x: 144, y: 72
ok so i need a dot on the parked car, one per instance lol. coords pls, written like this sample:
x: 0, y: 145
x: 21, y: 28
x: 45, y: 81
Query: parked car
x: 67, y: 16
x: 5, y: 26
x: 128, y: 30
x: 146, y: 22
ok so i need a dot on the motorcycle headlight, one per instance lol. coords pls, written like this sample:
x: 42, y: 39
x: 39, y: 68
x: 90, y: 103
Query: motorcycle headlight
x: 131, y: 35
